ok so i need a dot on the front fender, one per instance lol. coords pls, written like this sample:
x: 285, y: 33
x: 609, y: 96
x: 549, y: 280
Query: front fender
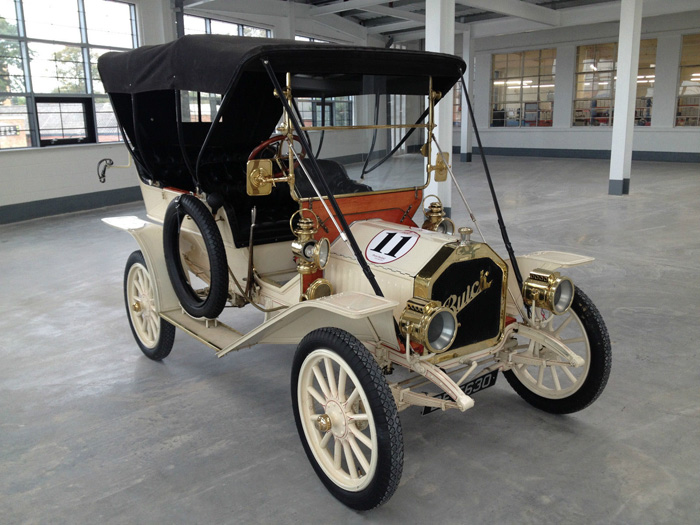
x: 550, y: 261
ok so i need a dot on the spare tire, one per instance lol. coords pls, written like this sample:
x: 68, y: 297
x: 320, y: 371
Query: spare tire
x: 193, y: 303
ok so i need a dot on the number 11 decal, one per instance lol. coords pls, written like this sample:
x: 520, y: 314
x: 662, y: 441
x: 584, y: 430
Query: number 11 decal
x: 389, y: 245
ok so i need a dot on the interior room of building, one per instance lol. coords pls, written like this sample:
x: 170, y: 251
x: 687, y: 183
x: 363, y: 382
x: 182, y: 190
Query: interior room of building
x: 588, y: 113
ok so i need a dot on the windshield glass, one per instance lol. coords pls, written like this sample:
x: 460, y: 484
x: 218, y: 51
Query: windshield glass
x: 365, y: 142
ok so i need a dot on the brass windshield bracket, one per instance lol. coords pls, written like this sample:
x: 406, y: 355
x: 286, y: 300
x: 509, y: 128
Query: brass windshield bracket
x: 259, y: 177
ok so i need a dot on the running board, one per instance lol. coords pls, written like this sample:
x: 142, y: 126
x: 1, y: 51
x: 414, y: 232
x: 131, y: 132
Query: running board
x: 211, y: 332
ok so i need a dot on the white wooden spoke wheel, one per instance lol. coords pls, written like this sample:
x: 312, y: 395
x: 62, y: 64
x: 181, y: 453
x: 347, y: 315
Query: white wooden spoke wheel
x: 154, y: 335
x: 338, y: 426
x: 347, y: 418
x: 142, y: 307
x: 553, y: 385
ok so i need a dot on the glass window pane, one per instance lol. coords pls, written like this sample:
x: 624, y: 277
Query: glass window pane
x: 54, y: 20
x: 61, y: 120
x: 109, y: 23
x: 194, y: 25
x: 514, y: 68
x: 688, y: 105
x: 223, y: 28
x: 647, y: 53
x: 107, y: 127
x: 8, y: 18
x: 606, y: 57
x: 56, y: 68
x: 342, y: 113
x: 14, y: 123
x: 255, y: 31
x: 690, y: 54
x: 11, y: 72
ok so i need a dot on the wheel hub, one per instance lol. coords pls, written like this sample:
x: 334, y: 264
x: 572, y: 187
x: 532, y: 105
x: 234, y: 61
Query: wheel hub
x: 336, y: 414
x: 324, y: 423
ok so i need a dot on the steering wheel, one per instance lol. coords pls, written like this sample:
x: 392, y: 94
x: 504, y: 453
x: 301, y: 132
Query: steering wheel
x: 274, y: 143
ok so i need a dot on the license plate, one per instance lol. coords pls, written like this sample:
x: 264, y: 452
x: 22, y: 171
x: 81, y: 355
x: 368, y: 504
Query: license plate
x: 469, y: 388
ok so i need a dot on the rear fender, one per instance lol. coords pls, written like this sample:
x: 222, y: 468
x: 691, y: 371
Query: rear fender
x: 550, y: 261
x: 149, y: 237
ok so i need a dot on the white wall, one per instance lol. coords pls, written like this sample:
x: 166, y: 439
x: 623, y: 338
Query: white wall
x: 661, y: 136
x: 28, y: 175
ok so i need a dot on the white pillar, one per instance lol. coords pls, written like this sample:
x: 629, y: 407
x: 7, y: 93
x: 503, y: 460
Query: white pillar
x: 625, y: 94
x: 156, y: 21
x: 564, y: 87
x: 440, y: 37
x: 668, y: 60
x: 466, y: 136
x: 287, y: 27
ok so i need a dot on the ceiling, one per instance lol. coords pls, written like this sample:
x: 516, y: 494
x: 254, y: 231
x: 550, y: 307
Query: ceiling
x: 404, y: 20
x: 393, y: 19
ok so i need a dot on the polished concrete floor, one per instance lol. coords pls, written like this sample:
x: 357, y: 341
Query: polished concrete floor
x: 91, y: 431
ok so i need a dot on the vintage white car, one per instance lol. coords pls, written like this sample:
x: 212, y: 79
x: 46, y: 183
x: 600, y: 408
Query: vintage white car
x: 287, y: 176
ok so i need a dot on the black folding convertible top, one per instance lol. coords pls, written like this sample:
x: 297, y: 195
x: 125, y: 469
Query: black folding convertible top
x: 147, y: 85
x: 212, y: 63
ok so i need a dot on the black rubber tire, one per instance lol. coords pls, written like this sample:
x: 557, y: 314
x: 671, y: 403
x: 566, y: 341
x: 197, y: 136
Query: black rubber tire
x: 160, y: 348
x: 213, y: 304
x: 383, y: 408
x: 598, y: 373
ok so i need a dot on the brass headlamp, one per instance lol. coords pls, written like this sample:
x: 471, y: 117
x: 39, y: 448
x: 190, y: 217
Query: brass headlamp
x: 429, y: 323
x: 548, y: 290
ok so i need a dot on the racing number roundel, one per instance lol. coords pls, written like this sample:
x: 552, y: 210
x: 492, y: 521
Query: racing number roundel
x: 389, y: 245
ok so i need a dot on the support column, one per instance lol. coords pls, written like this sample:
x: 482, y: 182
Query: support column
x: 565, y: 86
x: 465, y: 145
x: 288, y: 26
x: 625, y: 94
x: 668, y: 60
x: 156, y: 21
x: 440, y: 37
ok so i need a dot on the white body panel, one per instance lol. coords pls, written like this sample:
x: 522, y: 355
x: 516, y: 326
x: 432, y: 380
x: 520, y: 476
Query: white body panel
x: 395, y: 278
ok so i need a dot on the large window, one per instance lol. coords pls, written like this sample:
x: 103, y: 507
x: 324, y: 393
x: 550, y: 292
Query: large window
x: 596, y: 76
x: 334, y: 111
x: 197, y: 25
x: 688, y: 110
x: 522, y: 88
x: 50, y: 90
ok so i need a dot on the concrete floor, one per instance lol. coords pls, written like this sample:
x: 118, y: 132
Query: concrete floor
x: 91, y: 431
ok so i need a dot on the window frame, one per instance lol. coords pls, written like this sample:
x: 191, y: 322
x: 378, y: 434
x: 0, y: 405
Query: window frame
x: 241, y: 26
x: 88, y: 114
x: 87, y: 97
x: 585, y: 110
x: 543, y: 109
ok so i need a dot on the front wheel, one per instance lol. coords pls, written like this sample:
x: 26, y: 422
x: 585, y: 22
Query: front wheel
x: 347, y: 418
x: 561, y: 389
x: 154, y: 335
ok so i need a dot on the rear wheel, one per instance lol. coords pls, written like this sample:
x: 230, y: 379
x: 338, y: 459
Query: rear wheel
x: 562, y: 389
x: 347, y: 418
x: 153, y: 334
